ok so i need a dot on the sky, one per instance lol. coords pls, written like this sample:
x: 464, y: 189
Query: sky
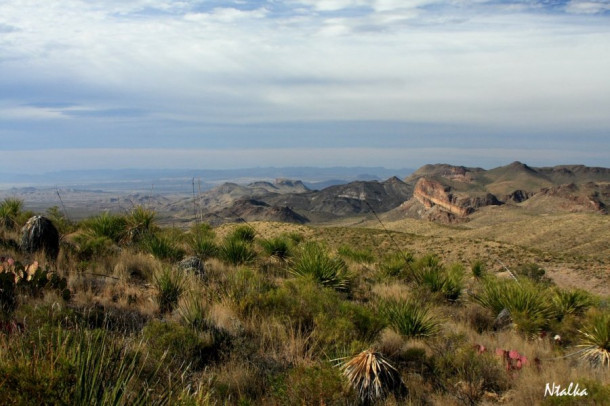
x: 232, y: 84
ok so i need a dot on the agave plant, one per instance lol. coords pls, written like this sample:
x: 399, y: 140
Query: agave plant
x: 595, y: 340
x: 371, y: 375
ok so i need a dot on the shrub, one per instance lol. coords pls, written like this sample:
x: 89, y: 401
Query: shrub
x: 410, y: 319
x: 170, y: 286
x: 162, y: 247
x: 530, y: 306
x: 140, y: 222
x: 111, y: 226
x: 243, y: 233
x: 235, y: 251
x: 277, y: 247
x: 567, y: 302
x: 595, y: 340
x: 362, y: 256
x: 330, y: 272
x: 10, y: 210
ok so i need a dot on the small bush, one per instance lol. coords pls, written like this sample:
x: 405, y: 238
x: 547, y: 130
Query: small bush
x: 243, y: 233
x: 111, y: 226
x: 236, y: 252
x: 162, y: 247
x: 410, y: 319
x: 330, y: 272
x: 277, y: 247
x: 595, y: 340
x: 170, y: 286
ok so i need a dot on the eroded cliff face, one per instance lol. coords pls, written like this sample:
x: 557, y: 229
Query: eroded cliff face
x: 439, y: 198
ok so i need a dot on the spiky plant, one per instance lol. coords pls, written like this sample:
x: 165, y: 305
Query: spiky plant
x: 236, y: 252
x: 568, y: 302
x: 140, y: 223
x: 410, y: 319
x: 162, y: 247
x: 112, y: 226
x: 243, y: 233
x: 203, y: 246
x: 193, y: 311
x: 277, y: 247
x: 170, y: 286
x: 371, y: 375
x: 595, y: 340
x: 10, y: 208
x: 478, y: 269
x: 328, y: 271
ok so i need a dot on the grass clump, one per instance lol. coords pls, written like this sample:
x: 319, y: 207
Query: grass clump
x: 328, y: 271
x: 10, y: 211
x: 235, y: 251
x: 243, y: 233
x: 277, y: 247
x: 170, y: 286
x: 162, y: 247
x: 107, y: 225
x: 410, y: 319
x: 360, y: 256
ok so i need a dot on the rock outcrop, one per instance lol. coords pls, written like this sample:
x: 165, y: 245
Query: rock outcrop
x: 431, y: 193
x: 39, y: 234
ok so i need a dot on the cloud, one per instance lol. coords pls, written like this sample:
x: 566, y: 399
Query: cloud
x: 196, y: 71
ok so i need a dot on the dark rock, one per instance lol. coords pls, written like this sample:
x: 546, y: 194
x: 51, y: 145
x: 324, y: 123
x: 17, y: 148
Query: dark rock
x: 39, y: 234
x: 192, y: 264
x: 503, y: 320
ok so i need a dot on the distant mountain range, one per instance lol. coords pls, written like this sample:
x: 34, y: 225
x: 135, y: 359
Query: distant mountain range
x: 440, y: 192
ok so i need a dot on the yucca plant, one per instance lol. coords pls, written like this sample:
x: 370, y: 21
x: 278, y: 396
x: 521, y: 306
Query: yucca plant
x: 170, y: 286
x: 277, y: 248
x: 111, y: 226
x: 236, y: 252
x: 140, y: 223
x: 478, y: 269
x: 243, y: 233
x: 193, y: 311
x: 10, y: 209
x: 328, y: 271
x: 203, y: 246
x: 410, y: 319
x: 372, y: 376
x: 162, y: 247
x: 595, y: 340
x: 566, y: 302
x: 528, y: 303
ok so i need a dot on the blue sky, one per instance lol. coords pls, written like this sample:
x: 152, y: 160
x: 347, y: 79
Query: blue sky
x: 229, y: 84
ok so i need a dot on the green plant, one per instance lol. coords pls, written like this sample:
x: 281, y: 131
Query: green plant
x: 235, y: 251
x: 63, y: 224
x: 277, y: 247
x: 595, y: 340
x: 529, y: 304
x: 243, y: 233
x: 315, y: 262
x: 410, y: 319
x: 111, y: 226
x: 162, y: 247
x: 140, y: 222
x: 371, y: 375
x: 203, y: 246
x: 363, y: 256
x: 193, y: 311
x: 10, y: 210
x: 478, y: 269
x: 170, y: 286
x: 567, y: 302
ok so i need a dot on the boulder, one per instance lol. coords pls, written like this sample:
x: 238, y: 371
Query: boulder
x: 39, y: 234
x: 192, y: 264
x: 503, y: 320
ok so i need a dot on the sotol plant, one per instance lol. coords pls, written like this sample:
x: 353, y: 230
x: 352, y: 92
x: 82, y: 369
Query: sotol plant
x: 410, y: 319
x: 595, y: 340
x: 328, y: 271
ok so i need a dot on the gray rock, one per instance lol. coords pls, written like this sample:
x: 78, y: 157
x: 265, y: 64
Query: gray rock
x: 503, y: 320
x: 192, y: 264
x: 39, y: 234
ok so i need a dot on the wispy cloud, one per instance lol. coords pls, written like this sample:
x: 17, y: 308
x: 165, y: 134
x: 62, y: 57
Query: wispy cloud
x: 192, y: 70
